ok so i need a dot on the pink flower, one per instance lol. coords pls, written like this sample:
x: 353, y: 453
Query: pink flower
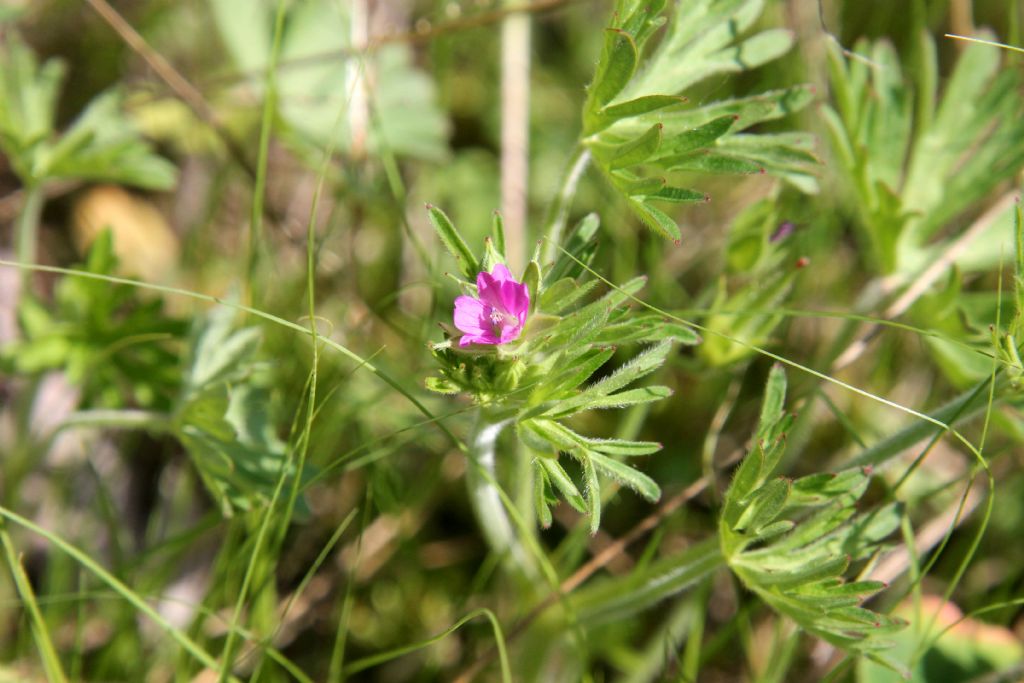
x: 497, y: 315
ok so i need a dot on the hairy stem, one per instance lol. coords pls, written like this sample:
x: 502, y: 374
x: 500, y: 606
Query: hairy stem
x: 482, y: 479
x: 558, y: 214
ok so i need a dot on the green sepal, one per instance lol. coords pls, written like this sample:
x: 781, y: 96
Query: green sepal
x: 498, y: 233
x: 532, y: 278
x: 454, y: 243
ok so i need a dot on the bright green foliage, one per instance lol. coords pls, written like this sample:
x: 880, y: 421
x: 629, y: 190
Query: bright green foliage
x: 323, y: 100
x: 542, y: 379
x: 635, y: 119
x: 913, y: 162
x: 759, y: 276
x: 225, y: 415
x: 916, y: 164
x: 114, y: 342
x: 100, y: 145
x: 791, y: 542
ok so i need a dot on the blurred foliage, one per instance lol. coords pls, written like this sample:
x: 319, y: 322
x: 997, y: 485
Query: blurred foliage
x: 99, y: 145
x: 202, y: 468
x: 323, y: 91
x: 111, y: 340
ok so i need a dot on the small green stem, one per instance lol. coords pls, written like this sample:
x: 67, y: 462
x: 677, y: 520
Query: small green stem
x: 28, y: 230
x: 47, y: 652
x: 558, y: 214
x: 482, y: 479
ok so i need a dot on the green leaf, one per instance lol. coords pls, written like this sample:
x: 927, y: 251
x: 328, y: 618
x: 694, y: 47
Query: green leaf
x: 772, y: 530
x: 683, y: 142
x: 579, y: 249
x: 220, y: 353
x: 563, y: 294
x: 641, y: 105
x: 813, y: 529
x: 568, y: 379
x: 540, y: 497
x: 642, y: 365
x: 678, y: 195
x: 623, y: 399
x: 818, y: 489
x: 623, y: 447
x: 454, y: 243
x: 579, y: 328
x: 633, y: 152
x: 224, y: 417
x: 772, y: 407
x: 764, y: 506
x: 647, y: 327
x: 103, y: 145
x: 711, y: 163
x: 656, y: 220
x: 560, y: 479
x: 857, y: 590
x: 631, y: 184
x: 592, y: 491
x: 625, y: 475
x: 806, y: 573
x: 616, y: 67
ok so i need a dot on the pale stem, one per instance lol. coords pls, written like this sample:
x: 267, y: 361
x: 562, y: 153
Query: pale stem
x: 559, y: 212
x: 482, y: 479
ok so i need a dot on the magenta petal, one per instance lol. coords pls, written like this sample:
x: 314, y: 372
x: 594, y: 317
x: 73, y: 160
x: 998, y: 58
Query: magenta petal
x: 471, y: 316
x: 489, y: 290
x: 486, y: 338
x: 501, y: 273
x: 510, y: 333
x: 515, y: 298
